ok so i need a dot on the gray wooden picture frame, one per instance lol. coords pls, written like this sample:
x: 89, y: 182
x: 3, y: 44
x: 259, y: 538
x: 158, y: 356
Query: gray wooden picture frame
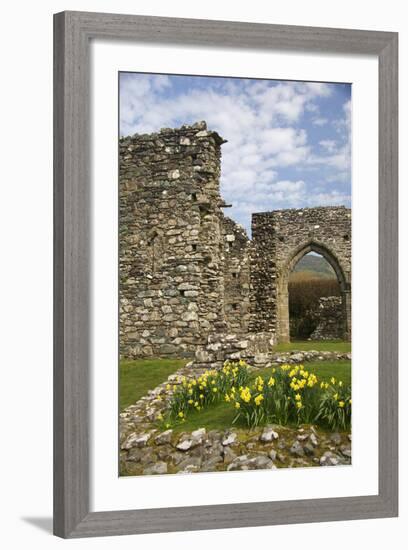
x: 72, y: 34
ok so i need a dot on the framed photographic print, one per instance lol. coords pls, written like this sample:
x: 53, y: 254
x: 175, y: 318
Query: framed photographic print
x: 225, y: 274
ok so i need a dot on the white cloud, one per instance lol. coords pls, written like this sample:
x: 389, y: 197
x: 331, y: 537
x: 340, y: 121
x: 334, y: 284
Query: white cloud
x: 333, y: 198
x: 328, y: 144
x: 320, y: 121
x: 263, y: 126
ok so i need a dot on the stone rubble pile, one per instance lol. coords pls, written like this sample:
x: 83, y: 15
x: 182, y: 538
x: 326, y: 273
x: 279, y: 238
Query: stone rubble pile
x: 329, y: 317
x: 268, y: 448
x: 254, y: 348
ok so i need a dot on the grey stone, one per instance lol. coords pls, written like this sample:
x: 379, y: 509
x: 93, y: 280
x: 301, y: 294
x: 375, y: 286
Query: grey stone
x: 158, y: 468
x: 191, y: 463
x: 188, y: 442
x: 297, y: 449
x: 243, y: 462
x: 174, y: 174
x: 313, y: 440
x: 345, y: 451
x: 136, y: 440
x: 268, y: 435
x: 329, y: 459
x: 229, y: 438
x: 335, y: 438
x: 309, y: 449
x: 273, y: 455
x: 164, y: 437
x: 229, y: 455
x: 185, y: 445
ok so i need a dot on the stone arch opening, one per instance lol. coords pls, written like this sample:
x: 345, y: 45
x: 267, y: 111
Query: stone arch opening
x: 283, y: 325
x: 314, y: 300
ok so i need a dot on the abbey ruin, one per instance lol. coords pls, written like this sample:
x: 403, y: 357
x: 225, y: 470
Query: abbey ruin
x: 191, y: 281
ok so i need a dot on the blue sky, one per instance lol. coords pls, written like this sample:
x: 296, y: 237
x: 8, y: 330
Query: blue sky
x: 288, y: 142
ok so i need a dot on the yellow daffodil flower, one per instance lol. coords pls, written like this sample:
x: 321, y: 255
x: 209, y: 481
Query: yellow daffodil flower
x: 258, y: 399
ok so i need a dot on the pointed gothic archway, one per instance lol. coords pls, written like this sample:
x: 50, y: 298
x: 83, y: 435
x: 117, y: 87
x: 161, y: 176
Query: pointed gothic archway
x: 282, y: 296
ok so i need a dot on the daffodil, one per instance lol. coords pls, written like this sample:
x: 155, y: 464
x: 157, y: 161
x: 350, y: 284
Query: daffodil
x: 341, y: 404
x: 237, y: 405
x: 258, y: 399
x: 246, y: 395
x: 181, y: 414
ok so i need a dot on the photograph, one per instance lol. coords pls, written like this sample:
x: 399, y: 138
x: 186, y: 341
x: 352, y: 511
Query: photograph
x: 235, y: 250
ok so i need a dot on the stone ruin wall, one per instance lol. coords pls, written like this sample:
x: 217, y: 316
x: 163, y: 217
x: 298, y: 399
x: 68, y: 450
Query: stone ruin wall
x: 187, y: 271
x: 279, y: 240
x: 328, y: 314
x: 236, y: 277
x: 177, y: 250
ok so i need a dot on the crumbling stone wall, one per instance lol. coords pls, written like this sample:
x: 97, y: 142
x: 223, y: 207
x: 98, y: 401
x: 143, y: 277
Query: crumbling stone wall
x: 329, y: 316
x: 171, y: 283
x: 176, y: 246
x: 255, y: 348
x: 236, y: 277
x: 279, y: 240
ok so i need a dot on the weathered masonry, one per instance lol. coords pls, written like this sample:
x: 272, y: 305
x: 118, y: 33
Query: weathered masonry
x: 186, y: 270
x: 280, y: 239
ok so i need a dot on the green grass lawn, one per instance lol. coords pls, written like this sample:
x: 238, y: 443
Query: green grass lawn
x: 139, y: 376
x: 327, y: 345
x: 221, y: 415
